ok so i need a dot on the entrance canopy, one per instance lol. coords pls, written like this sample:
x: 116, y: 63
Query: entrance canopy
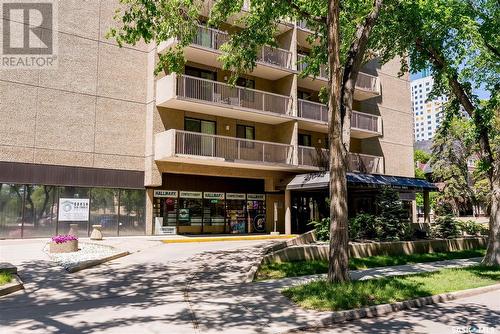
x: 316, y: 181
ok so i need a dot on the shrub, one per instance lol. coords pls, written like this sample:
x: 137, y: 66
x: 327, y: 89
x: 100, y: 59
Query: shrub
x: 445, y: 227
x: 363, y: 226
x: 471, y: 227
x: 322, y: 229
x: 392, y: 218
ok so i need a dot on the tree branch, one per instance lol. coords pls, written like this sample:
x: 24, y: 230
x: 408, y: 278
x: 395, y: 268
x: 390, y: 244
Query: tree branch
x: 304, y: 14
x: 354, y: 61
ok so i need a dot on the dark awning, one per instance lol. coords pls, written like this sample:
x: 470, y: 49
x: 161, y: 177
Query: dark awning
x: 313, y: 181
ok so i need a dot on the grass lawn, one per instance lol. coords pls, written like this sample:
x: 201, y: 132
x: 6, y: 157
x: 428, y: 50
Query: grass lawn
x: 5, y: 277
x: 302, y: 268
x: 319, y: 295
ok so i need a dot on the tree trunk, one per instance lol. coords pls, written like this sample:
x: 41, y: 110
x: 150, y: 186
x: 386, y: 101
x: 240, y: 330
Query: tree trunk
x: 492, y: 257
x: 338, y: 268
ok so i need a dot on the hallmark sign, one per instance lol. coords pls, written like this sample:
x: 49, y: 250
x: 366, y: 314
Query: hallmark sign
x: 29, y: 34
x: 74, y: 209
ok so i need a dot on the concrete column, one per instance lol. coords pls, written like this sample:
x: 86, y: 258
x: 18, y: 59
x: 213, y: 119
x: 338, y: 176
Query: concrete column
x: 288, y: 212
x: 427, y: 218
x: 149, y: 212
x: 414, y: 213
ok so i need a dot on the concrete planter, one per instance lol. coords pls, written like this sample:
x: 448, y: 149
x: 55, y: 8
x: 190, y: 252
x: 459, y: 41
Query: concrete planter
x: 65, y: 247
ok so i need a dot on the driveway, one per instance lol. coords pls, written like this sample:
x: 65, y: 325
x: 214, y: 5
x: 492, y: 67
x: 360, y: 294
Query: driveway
x: 178, y: 288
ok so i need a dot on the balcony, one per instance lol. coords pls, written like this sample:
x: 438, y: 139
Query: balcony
x: 272, y: 63
x: 199, y: 148
x: 187, y: 93
x: 365, y: 125
x: 357, y: 162
x: 367, y: 86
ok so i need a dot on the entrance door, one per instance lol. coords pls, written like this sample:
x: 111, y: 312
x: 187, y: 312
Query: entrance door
x: 199, y: 144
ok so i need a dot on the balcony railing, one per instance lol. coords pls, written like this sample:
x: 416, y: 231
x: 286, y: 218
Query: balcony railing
x: 189, y: 87
x: 213, y: 39
x: 210, y: 38
x: 301, y: 66
x: 275, y: 56
x: 365, y: 122
x: 312, y: 110
x: 226, y: 148
x: 363, y: 163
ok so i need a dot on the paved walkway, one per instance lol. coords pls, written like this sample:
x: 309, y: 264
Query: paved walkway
x: 161, y: 288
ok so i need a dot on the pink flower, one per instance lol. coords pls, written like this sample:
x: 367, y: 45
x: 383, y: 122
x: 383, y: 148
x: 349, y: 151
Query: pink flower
x: 60, y: 239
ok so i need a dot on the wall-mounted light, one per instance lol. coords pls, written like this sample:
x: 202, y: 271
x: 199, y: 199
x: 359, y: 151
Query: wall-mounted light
x: 319, y: 141
x: 227, y: 128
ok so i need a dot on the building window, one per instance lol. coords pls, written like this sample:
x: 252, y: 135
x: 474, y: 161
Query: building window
x: 304, y: 140
x: 246, y: 132
x: 199, y: 73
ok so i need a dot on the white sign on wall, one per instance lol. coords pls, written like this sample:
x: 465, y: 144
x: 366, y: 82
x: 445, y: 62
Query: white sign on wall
x: 213, y: 195
x: 236, y: 196
x: 165, y: 193
x: 256, y: 197
x: 74, y: 209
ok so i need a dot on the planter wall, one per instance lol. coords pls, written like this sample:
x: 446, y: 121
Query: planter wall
x: 65, y: 247
x: 320, y: 251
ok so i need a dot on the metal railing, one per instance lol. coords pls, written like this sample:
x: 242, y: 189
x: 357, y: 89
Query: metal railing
x: 312, y: 110
x: 367, y: 82
x: 275, y: 56
x: 210, y: 38
x: 213, y: 39
x: 223, y: 94
x: 363, y: 163
x: 365, y: 122
x: 231, y: 149
x: 301, y: 66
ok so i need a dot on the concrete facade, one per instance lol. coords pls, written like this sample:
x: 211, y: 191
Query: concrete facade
x: 100, y: 109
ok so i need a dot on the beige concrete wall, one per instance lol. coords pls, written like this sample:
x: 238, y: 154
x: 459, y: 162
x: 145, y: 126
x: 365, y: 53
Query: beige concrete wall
x: 91, y: 110
x: 358, y: 250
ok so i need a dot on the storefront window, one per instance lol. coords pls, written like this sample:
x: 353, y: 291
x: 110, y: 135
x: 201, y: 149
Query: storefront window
x: 213, y: 213
x: 104, y: 210
x: 63, y: 227
x: 40, y: 211
x: 256, y: 211
x: 236, y: 212
x: 132, y: 212
x: 190, y: 213
x: 11, y: 201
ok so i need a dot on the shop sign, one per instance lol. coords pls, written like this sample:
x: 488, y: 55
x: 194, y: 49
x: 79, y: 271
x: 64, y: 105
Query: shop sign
x: 235, y: 196
x: 165, y: 193
x: 190, y: 194
x: 256, y: 197
x: 213, y: 195
x: 73, y: 209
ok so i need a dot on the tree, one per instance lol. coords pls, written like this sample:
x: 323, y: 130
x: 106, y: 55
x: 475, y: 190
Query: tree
x: 458, y: 41
x: 421, y: 156
x: 453, y: 147
x: 340, y: 39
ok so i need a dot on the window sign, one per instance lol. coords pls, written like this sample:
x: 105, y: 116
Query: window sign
x: 256, y: 197
x: 166, y: 193
x: 235, y: 196
x: 74, y: 209
x: 190, y: 194
x: 213, y: 195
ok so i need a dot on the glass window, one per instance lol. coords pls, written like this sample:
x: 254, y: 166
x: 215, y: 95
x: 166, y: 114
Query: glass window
x: 199, y: 73
x: 256, y: 210
x: 244, y: 82
x: 40, y: 211
x: 104, y: 210
x: 245, y: 132
x: 11, y: 201
x: 304, y: 140
x: 213, y: 213
x: 82, y: 228
x: 132, y: 215
x: 190, y: 214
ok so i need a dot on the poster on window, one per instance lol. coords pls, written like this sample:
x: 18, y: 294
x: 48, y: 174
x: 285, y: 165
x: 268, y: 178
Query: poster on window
x: 73, y: 209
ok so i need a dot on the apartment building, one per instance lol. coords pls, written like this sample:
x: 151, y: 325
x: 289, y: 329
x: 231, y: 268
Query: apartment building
x: 427, y: 113
x: 185, y: 152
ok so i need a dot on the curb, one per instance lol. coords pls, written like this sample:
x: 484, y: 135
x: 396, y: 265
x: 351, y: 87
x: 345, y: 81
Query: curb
x: 93, y: 263
x: 13, y: 286
x: 384, y: 309
x: 228, y: 238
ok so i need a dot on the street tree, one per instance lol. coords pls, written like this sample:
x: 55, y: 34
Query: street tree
x: 340, y: 39
x: 458, y: 40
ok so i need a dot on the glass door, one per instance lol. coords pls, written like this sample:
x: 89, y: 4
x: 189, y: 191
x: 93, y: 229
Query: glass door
x: 200, y: 145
